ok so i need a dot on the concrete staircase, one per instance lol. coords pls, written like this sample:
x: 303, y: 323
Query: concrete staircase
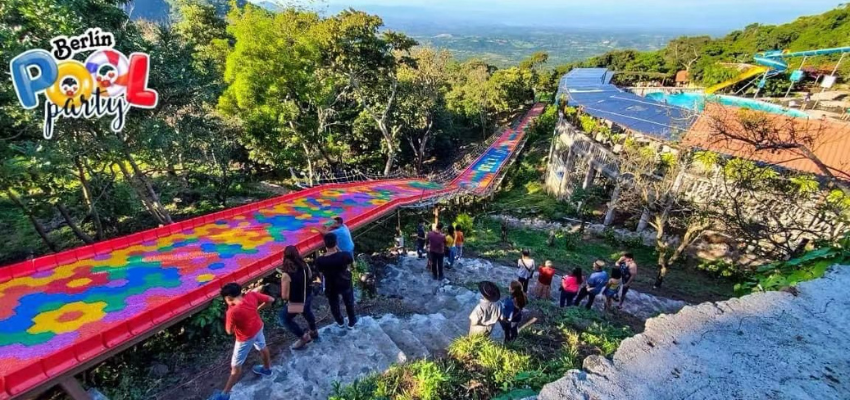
x: 441, y: 310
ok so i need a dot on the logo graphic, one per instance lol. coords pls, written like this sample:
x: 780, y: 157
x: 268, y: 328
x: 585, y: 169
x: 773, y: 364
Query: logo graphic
x: 106, y: 83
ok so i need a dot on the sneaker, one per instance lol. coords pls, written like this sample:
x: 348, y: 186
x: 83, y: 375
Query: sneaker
x: 219, y: 395
x: 260, y: 370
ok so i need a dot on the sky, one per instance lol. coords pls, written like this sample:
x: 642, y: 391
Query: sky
x: 687, y: 16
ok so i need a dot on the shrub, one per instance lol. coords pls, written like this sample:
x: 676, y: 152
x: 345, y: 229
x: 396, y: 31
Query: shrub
x: 783, y: 274
x: 465, y: 222
x: 422, y: 380
x: 496, y: 361
x: 722, y: 269
x: 360, y: 389
x: 610, y: 236
x: 572, y: 240
x: 605, y: 336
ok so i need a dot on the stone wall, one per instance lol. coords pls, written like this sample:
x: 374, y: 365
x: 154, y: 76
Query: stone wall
x: 774, y: 345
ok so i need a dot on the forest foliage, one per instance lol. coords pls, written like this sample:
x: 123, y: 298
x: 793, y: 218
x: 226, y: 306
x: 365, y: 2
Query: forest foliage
x: 245, y: 95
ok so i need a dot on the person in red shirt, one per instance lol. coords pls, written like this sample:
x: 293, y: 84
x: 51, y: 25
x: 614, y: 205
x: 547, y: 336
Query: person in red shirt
x: 243, y: 320
x: 544, y: 281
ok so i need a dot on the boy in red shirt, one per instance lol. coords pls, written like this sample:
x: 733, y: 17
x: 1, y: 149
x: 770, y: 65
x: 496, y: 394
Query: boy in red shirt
x: 243, y: 320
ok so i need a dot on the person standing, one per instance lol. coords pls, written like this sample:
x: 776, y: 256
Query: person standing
x: 511, y: 310
x: 459, y: 242
x: 420, y: 240
x: 335, y: 266
x: 297, y: 295
x: 594, y: 285
x: 487, y: 313
x: 343, y: 235
x: 450, y: 246
x: 525, y: 269
x: 543, y: 289
x: 628, y: 270
x: 242, y: 320
x: 570, y: 286
x: 437, y: 250
x: 612, y: 288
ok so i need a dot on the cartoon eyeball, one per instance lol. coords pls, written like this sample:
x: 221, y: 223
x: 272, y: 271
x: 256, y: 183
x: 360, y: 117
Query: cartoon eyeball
x: 70, y: 89
x: 109, y: 69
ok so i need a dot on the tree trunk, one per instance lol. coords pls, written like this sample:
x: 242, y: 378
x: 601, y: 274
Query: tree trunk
x: 310, y: 171
x: 388, y: 166
x: 73, y: 225
x: 148, y: 203
x: 39, y: 228
x: 88, y: 199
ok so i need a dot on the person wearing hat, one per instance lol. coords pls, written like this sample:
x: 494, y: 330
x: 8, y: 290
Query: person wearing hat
x: 594, y: 285
x: 487, y: 313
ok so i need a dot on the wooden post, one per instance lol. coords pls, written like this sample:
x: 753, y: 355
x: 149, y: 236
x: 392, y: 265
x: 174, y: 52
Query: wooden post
x: 73, y: 388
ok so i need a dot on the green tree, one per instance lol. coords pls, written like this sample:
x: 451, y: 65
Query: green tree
x: 421, y: 99
x: 370, y: 60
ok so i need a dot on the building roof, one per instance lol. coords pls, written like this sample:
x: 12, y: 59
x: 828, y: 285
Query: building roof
x: 683, y: 76
x: 591, y: 88
x: 829, y: 140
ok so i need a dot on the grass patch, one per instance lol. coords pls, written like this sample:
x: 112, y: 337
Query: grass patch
x: 478, y: 368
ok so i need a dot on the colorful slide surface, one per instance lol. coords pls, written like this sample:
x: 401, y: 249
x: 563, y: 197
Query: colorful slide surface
x: 754, y: 71
x: 60, y: 311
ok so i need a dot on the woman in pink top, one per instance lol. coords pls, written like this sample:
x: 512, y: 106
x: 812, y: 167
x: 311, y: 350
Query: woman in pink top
x: 570, y: 285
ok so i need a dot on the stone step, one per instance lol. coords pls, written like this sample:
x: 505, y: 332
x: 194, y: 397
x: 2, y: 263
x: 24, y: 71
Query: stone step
x: 406, y: 340
x: 342, y: 355
x: 430, y: 330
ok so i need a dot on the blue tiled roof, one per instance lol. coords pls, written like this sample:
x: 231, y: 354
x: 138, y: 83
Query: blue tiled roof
x: 591, y: 88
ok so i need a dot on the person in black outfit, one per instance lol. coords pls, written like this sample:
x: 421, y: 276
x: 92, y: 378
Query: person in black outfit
x: 334, y: 265
x: 420, y: 240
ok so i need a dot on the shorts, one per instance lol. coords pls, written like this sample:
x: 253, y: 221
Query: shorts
x: 610, y: 293
x: 242, y: 349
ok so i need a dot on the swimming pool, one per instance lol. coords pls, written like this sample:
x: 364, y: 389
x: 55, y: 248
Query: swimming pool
x: 696, y: 101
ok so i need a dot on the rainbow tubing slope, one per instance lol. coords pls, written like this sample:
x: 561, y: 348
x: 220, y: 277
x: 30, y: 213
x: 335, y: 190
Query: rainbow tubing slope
x: 65, y: 311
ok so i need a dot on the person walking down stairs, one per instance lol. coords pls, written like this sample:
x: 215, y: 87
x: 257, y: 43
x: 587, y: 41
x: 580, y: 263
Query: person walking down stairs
x: 243, y: 320
x: 297, y: 295
x: 488, y: 311
x: 335, y: 266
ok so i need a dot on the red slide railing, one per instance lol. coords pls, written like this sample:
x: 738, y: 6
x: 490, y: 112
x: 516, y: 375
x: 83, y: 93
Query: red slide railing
x: 46, y: 371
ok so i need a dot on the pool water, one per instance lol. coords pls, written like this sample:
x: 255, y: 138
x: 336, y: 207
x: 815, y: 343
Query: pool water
x: 696, y: 101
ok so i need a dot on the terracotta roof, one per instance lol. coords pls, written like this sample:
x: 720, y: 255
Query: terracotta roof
x: 683, y: 76
x: 829, y: 140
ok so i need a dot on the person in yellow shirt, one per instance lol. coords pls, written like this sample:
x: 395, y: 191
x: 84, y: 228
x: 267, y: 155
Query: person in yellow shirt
x: 451, y: 250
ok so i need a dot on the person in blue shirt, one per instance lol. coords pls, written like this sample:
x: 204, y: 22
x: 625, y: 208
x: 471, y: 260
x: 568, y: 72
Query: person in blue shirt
x: 343, y: 235
x: 594, y: 284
